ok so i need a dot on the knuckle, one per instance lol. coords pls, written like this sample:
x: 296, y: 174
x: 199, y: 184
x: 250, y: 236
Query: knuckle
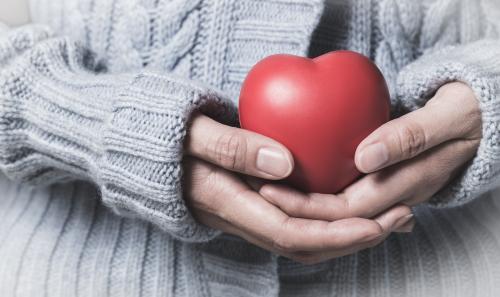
x: 229, y: 151
x: 347, y: 206
x: 368, y: 190
x: 295, y: 206
x: 372, y: 189
x: 283, y: 245
x: 412, y: 139
x: 282, y: 242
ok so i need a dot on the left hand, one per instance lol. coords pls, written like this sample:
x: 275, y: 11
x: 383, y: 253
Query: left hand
x: 411, y: 158
x: 407, y: 160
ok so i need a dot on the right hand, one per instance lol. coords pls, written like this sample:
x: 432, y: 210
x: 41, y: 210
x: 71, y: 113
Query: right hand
x: 221, y: 194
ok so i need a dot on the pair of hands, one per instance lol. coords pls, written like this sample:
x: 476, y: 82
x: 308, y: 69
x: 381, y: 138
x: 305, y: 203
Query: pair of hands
x: 406, y: 161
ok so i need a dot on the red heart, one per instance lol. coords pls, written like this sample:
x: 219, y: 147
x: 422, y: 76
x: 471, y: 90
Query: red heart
x: 320, y: 109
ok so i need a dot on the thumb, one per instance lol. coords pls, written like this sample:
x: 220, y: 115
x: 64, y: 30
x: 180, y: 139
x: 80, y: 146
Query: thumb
x: 408, y: 136
x: 237, y: 149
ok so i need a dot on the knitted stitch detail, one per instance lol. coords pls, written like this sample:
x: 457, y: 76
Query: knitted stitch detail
x: 63, y: 121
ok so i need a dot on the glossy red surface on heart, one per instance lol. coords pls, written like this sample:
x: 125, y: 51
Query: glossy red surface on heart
x: 320, y: 109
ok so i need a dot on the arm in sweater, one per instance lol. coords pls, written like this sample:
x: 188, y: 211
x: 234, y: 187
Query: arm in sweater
x: 472, y: 55
x: 60, y: 119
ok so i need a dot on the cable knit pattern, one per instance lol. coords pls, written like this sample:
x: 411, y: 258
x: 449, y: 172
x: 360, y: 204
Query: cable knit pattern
x: 134, y: 34
x: 400, y: 22
x: 105, y: 102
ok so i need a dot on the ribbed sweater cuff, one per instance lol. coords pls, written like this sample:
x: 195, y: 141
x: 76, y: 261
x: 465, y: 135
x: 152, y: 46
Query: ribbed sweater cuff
x: 478, y: 65
x: 141, y: 169
x: 60, y: 120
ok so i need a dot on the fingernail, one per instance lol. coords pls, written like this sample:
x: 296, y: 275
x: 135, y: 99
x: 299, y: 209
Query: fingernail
x: 406, y: 228
x: 373, y: 157
x: 402, y: 221
x: 273, y: 161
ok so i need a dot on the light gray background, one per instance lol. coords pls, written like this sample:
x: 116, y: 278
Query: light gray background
x: 14, y: 12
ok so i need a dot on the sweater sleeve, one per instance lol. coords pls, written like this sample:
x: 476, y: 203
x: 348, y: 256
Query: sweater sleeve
x: 478, y: 65
x: 458, y: 40
x: 63, y: 118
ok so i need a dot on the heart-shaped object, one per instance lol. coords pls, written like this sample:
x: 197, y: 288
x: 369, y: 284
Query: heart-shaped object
x: 320, y: 109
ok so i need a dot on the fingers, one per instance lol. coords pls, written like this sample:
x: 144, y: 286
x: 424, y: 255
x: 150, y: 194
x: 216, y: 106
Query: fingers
x: 222, y: 193
x: 297, y: 234
x: 398, y: 218
x: 308, y: 257
x: 304, y: 257
x: 287, y: 234
x: 451, y: 114
x: 303, y: 205
x: 313, y: 257
x: 323, y: 206
x: 407, y: 228
x: 237, y: 149
x: 224, y: 202
x: 411, y: 182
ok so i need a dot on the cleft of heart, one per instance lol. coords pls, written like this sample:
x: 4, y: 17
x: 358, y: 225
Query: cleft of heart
x: 320, y: 109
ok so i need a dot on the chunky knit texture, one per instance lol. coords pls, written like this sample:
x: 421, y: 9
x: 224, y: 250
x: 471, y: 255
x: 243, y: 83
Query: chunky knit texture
x: 62, y: 120
x: 94, y: 106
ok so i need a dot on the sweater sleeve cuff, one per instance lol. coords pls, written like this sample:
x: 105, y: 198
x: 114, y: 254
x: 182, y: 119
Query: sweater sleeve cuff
x: 478, y: 66
x: 142, y: 164
x: 61, y: 119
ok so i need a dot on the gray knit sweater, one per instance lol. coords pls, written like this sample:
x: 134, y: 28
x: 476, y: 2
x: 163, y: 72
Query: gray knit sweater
x: 94, y: 102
